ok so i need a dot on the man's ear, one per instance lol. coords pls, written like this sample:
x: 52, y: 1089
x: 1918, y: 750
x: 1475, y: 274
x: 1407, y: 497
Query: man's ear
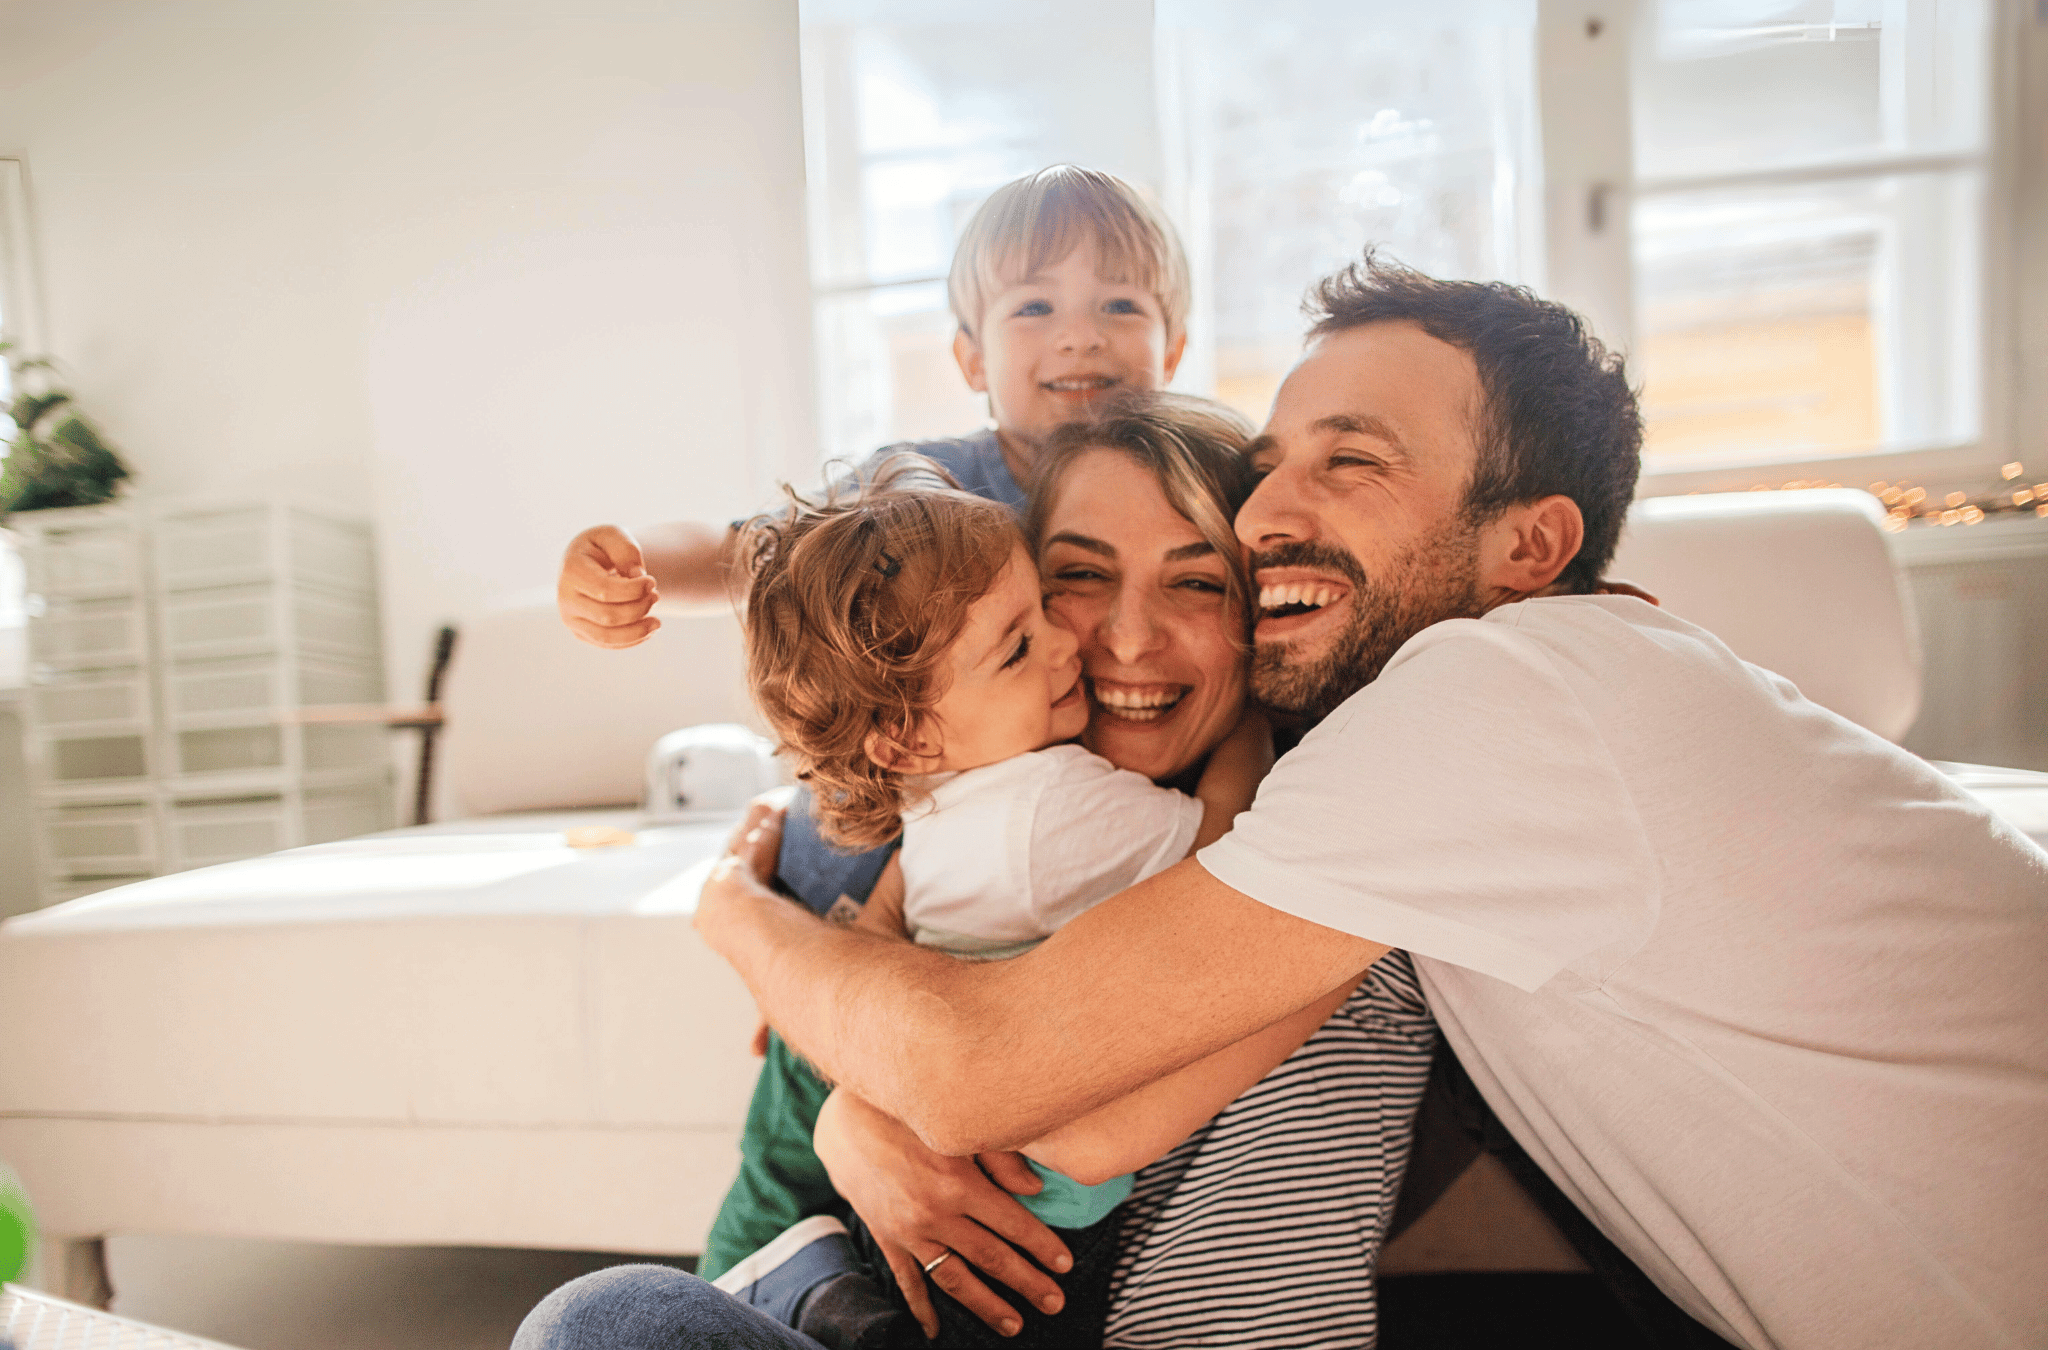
x: 916, y: 753
x: 1524, y: 548
x: 967, y: 355
x: 1175, y: 350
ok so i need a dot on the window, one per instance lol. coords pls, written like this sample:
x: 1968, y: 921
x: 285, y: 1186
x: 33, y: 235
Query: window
x: 1279, y: 145
x: 1789, y: 243
x: 1809, y: 206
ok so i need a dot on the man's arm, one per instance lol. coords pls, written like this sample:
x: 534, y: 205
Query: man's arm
x: 989, y: 1055
x: 610, y: 580
x: 1135, y: 1131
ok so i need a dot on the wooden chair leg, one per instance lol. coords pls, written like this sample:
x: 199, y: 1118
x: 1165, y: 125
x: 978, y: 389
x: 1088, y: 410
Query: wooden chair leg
x: 75, y: 1269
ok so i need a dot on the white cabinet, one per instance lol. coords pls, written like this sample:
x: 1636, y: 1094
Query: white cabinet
x: 170, y: 646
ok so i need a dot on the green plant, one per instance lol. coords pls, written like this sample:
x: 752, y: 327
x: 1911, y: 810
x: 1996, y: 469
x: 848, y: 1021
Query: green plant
x: 56, y: 457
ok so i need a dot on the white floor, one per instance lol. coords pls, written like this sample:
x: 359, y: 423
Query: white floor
x: 302, y: 1296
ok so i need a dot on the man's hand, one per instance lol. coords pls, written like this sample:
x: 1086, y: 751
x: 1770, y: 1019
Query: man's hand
x: 919, y: 1204
x: 1616, y: 586
x: 605, y: 593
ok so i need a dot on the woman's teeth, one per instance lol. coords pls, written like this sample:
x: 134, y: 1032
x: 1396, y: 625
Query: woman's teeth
x: 1297, y: 597
x: 1138, y: 705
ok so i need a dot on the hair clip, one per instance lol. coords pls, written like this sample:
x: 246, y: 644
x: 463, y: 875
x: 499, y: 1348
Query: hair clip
x: 888, y: 566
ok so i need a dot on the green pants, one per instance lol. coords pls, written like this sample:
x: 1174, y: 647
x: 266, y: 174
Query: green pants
x: 781, y: 1179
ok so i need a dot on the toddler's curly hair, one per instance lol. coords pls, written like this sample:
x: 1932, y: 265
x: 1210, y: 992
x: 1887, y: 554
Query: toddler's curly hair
x: 851, y: 604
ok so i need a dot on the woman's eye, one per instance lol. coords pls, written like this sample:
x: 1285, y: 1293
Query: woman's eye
x: 1077, y: 574
x: 1023, y: 650
x: 1203, y: 584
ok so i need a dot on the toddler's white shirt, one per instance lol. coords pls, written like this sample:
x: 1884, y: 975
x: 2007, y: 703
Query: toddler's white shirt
x: 1000, y: 856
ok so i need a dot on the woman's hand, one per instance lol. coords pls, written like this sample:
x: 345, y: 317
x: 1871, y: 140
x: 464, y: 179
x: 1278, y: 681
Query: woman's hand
x: 920, y: 1204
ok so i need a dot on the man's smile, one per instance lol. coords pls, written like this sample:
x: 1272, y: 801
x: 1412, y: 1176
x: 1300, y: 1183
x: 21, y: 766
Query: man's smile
x: 1292, y: 600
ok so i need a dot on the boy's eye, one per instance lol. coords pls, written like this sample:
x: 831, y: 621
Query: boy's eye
x: 1035, y: 309
x: 1023, y: 649
x: 1123, y: 307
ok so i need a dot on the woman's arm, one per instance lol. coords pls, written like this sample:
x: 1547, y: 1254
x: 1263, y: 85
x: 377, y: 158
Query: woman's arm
x: 1145, y: 1125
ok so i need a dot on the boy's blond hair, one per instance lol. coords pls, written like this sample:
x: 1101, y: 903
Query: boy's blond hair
x: 1042, y: 217
x: 852, y: 603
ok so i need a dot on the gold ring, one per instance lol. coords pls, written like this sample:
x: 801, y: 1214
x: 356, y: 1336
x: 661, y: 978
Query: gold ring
x: 937, y: 1261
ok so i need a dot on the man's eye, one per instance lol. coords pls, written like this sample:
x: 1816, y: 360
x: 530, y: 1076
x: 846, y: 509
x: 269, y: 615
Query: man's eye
x: 1036, y: 309
x: 1023, y: 650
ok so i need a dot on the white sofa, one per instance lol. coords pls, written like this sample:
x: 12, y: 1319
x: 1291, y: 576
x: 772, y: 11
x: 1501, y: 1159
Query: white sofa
x: 471, y: 1033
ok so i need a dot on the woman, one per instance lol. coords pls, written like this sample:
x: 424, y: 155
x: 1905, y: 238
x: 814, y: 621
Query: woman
x: 1132, y: 522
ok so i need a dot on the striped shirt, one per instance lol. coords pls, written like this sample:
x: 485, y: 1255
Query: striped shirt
x: 1263, y: 1228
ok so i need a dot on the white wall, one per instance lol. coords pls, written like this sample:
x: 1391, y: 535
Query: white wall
x: 488, y: 272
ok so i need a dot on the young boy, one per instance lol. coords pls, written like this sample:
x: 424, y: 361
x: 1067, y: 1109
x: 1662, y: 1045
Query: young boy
x: 1067, y: 285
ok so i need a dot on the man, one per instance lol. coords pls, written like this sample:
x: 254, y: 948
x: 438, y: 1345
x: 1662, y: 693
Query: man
x: 1752, y: 986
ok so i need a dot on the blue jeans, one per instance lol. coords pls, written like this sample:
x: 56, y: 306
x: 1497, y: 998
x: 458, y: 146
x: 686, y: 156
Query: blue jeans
x: 650, y: 1308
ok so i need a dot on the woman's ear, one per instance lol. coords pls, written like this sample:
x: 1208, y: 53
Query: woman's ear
x: 1522, y: 550
x: 967, y: 355
x: 912, y: 754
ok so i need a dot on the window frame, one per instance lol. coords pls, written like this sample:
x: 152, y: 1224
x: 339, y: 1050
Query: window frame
x: 1604, y: 267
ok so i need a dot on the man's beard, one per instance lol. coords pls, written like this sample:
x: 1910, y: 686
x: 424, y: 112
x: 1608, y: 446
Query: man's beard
x: 1437, y: 579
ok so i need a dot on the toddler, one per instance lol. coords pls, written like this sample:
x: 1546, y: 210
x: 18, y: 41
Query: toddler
x: 898, y: 645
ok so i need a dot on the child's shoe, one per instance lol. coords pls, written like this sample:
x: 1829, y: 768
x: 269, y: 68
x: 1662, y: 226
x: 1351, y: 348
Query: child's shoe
x: 811, y: 1279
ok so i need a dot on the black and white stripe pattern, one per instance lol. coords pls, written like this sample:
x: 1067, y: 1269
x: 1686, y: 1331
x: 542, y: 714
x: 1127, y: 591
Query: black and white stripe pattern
x: 1262, y: 1229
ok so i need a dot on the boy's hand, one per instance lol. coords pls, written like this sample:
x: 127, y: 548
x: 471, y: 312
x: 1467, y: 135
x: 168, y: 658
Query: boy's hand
x: 920, y: 1204
x: 605, y: 593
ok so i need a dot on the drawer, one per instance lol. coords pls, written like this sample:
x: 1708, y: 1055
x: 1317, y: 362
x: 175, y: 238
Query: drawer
x: 88, y: 698
x: 81, y: 634
x: 268, y: 620
x: 113, y: 839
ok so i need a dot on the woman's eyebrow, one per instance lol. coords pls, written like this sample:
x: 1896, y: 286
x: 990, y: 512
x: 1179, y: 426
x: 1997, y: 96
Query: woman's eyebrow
x: 1201, y: 548
x: 1084, y: 542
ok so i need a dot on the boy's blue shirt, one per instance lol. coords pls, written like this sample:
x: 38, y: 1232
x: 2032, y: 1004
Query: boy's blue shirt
x: 976, y: 463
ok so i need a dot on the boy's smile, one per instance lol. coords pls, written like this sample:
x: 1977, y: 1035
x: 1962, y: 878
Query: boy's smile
x: 1049, y: 346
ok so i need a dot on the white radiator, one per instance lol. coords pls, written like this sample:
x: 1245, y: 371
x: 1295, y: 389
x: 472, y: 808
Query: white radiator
x: 1981, y: 592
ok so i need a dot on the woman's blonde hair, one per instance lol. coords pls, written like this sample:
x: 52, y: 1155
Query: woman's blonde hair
x: 851, y: 604
x: 1040, y: 218
x: 1194, y: 448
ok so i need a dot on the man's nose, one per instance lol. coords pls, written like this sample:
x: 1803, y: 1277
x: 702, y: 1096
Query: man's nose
x: 1277, y: 512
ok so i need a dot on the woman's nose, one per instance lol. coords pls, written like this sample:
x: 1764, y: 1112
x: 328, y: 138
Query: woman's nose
x: 1132, y: 630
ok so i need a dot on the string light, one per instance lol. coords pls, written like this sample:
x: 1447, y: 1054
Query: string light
x: 1906, y: 503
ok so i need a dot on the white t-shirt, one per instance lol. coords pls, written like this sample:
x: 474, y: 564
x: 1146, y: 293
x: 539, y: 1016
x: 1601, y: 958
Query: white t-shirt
x: 1001, y: 856
x: 1760, y: 991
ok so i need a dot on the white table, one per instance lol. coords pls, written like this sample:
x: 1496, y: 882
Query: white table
x: 462, y: 1034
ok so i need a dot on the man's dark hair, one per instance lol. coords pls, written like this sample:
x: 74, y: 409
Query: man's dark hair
x: 1558, y: 415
